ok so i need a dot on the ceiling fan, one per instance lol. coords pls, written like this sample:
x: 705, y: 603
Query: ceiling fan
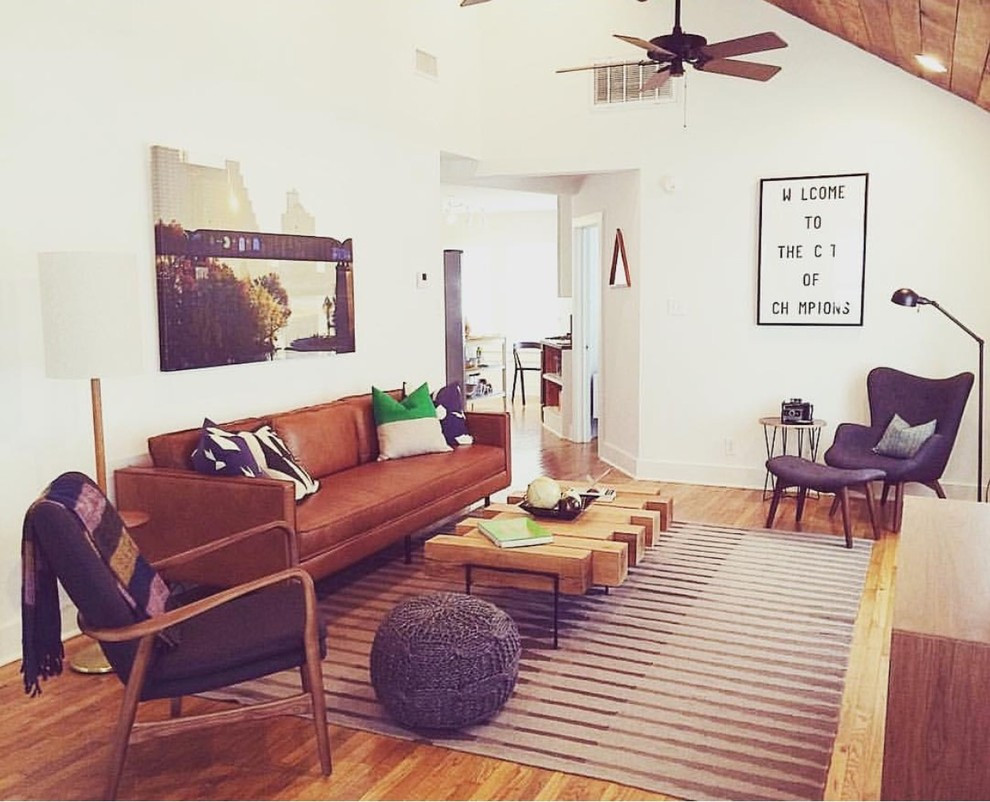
x: 672, y: 51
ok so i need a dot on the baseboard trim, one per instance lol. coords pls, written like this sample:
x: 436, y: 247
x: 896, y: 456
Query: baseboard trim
x: 10, y: 634
x: 745, y: 477
x: 617, y: 458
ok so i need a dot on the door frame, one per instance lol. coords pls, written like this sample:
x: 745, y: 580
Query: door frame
x: 587, y: 329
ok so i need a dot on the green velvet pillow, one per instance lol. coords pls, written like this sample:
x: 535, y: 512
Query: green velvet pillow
x: 903, y: 440
x: 407, y: 427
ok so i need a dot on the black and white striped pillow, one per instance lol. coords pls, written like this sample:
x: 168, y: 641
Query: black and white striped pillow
x: 277, y: 462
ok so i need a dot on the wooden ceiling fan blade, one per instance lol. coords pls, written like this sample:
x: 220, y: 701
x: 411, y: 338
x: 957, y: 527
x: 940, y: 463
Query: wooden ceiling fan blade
x: 657, y: 80
x: 605, y: 66
x: 643, y: 43
x: 756, y: 43
x: 740, y: 69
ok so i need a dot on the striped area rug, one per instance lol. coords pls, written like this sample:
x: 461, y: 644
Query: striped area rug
x: 715, y: 672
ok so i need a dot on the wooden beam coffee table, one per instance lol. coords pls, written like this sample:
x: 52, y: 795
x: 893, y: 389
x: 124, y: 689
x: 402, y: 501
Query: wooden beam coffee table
x: 594, y: 550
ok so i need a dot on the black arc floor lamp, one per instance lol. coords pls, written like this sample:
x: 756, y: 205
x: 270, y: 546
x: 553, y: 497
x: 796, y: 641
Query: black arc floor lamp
x: 906, y: 297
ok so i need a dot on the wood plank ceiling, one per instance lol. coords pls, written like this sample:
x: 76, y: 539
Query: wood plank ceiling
x: 956, y: 32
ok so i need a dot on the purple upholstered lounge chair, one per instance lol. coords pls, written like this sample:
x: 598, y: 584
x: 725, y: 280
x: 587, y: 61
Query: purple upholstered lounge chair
x: 917, y: 400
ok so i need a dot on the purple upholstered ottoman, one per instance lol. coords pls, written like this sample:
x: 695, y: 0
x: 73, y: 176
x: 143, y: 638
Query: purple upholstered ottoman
x: 791, y: 471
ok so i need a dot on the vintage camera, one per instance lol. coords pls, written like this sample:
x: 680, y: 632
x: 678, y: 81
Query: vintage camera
x: 795, y: 410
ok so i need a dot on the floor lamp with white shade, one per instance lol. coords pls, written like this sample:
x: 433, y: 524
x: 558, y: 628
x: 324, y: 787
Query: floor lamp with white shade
x: 91, y: 323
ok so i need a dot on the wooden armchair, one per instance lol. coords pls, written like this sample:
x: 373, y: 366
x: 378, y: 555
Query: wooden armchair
x: 263, y: 625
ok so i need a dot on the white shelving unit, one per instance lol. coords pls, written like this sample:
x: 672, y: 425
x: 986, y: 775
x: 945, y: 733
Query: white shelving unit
x: 484, y: 362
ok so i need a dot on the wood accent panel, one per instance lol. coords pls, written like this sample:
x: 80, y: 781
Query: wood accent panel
x: 632, y: 535
x: 905, y: 19
x: 955, y: 31
x: 652, y: 521
x: 948, y: 572
x: 938, y: 721
x: 937, y: 738
x: 879, y: 28
x: 573, y: 566
x: 938, y: 33
x: 609, y: 558
x: 629, y: 495
x: 972, y: 49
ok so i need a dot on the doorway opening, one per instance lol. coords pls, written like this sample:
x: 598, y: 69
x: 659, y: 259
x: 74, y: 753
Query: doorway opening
x: 587, y: 300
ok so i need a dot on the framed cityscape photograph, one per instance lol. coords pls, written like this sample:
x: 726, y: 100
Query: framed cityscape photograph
x: 231, y: 291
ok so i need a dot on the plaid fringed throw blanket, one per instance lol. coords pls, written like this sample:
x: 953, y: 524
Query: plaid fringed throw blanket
x: 139, y: 584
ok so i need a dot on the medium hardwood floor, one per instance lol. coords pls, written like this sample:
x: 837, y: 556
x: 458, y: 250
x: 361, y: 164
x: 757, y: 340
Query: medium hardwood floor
x: 56, y: 746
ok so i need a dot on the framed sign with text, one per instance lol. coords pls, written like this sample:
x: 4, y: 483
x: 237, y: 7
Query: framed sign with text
x: 812, y: 261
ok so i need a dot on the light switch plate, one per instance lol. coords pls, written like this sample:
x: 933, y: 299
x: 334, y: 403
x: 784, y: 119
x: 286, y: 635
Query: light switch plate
x: 422, y: 280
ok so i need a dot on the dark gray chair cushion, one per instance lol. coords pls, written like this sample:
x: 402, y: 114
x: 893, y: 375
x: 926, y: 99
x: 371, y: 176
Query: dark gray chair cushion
x: 792, y: 471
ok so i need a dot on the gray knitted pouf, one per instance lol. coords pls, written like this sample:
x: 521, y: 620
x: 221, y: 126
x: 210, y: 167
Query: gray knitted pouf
x: 444, y: 660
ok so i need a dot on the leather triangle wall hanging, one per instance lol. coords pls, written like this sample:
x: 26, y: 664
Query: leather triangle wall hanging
x: 619, y: 250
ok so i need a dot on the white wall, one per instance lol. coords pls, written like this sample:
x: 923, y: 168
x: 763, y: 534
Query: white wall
x: 318, y: 96
x: 707, y: 375
x: 616, y: 196
x: 509, y: 274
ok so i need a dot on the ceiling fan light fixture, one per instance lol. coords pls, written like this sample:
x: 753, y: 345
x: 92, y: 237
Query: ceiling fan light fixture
x: 930, y: 63
x: 677, y: 48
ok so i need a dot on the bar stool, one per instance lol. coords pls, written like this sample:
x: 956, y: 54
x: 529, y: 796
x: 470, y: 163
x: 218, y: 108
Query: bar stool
x: 521, y: 368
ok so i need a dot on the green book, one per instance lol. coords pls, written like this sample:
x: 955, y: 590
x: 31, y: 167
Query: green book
x: 509, y: 533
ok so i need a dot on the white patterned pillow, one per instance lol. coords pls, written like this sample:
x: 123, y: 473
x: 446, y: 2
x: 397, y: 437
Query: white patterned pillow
x: 277, y: 462
x: 903, y: 440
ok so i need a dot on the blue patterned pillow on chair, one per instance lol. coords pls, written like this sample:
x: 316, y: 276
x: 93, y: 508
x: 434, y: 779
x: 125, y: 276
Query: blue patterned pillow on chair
x: 223, y: 453
x: 903, y: 440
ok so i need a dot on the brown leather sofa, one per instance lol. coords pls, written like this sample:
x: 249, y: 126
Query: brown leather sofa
x: 362, y: 505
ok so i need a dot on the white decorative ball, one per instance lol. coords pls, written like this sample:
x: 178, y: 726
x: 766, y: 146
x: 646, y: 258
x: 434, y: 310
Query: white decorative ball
x: 543, y: 492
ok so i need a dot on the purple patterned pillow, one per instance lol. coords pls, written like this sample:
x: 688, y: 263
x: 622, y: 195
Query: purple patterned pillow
x: 450, y: 410
x: 223, y: 453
